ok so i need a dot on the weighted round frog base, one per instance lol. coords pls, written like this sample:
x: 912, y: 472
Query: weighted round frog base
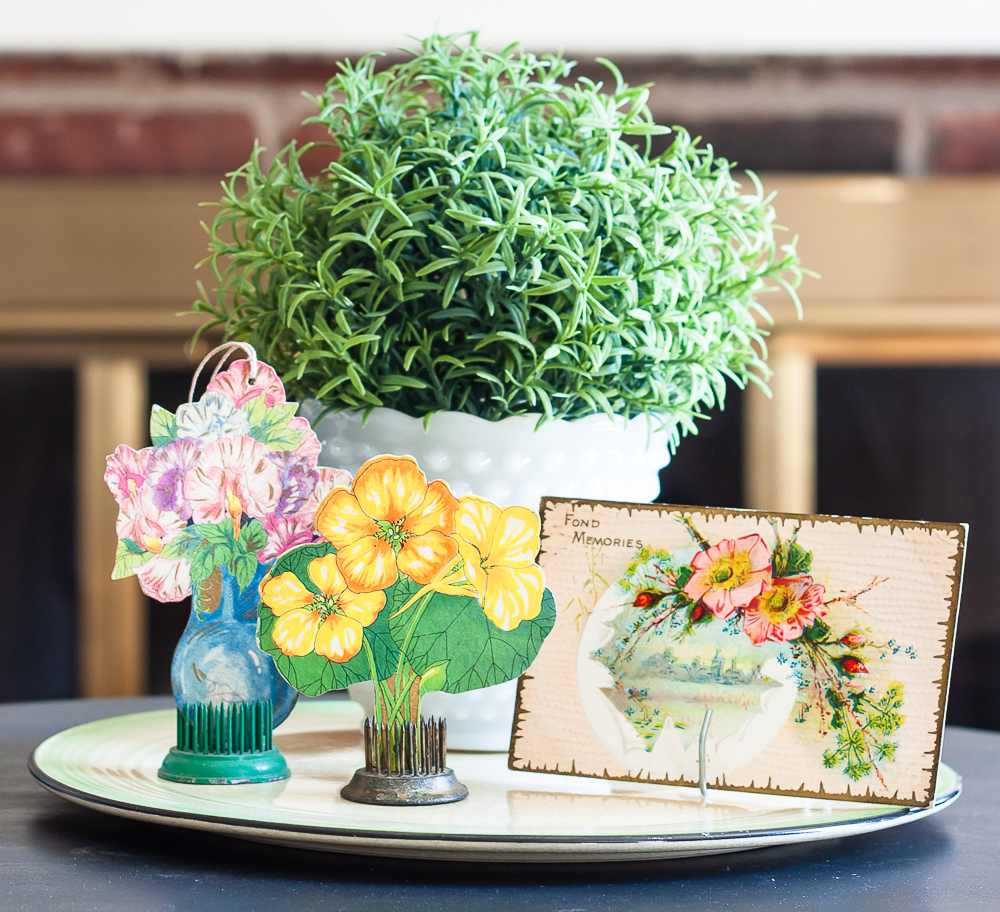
x: 224, y: 745
x: 405, y: 765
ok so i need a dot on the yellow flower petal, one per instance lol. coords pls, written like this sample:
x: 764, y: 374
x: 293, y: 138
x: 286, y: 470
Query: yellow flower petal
x: 285, y: 592
x: 422, y: 556
x: 368, y: 564
x: 363, y: 607
x: 324, y: 573
x: 473, y: 565
x: 475, y: 521
x: 513, y: 595
x: 295, y: 632
x: 339, y: 638
x: 435, y: 514
x: 390, y: 487
x: 515, y: 539
x: 340, y: 519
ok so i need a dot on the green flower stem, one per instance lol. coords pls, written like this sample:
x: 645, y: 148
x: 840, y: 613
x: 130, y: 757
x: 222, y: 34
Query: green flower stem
x: 699, y: 539
x: 393, y: 697
x: 403, y: 686
x: 442, y: 574
x: 417, y: 614
x: 375, y: 681
x: 421, y: 608
x: 419, y: 594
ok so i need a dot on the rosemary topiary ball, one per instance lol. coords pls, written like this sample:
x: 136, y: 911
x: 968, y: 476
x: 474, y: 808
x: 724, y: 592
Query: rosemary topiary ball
x: 487, y: 240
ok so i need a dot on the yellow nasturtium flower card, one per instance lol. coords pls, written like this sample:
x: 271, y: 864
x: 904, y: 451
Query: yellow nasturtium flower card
x: 410, y: 587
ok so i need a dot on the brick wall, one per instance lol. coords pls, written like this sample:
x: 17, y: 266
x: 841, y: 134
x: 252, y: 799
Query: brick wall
x: 146, y: 115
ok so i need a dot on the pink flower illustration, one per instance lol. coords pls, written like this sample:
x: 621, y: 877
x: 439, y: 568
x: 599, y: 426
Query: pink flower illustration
x: 209, y: 470
x: 240, y: 383
x: 310, y: 447
x: 140, y: 520
x: 730, y: 575
x: 233, y: 476
x: 297, y: 478
x: 168, y: 467
x: 783, y: 611
x: 329, y: 479
x: 165, y: 580
x: 284, y: 532
x: 126, y: 471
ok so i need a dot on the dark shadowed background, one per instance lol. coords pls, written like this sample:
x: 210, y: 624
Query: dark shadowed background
x: 901, y: 442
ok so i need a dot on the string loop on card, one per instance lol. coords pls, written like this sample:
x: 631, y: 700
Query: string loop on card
x: 227, y: 348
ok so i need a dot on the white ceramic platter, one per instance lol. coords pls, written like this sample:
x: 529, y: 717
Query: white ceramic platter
x: 111, y: 766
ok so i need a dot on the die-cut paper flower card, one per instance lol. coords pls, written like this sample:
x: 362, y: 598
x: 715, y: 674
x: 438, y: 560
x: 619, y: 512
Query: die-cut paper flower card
x: 409, y: 587
x: 229, y: 483
x: 821, y: 645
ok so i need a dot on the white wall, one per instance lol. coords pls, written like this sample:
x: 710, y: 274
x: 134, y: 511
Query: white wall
x: 583, y: 26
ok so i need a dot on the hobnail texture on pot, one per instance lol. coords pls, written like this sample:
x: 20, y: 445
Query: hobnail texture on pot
x: 507, y: 461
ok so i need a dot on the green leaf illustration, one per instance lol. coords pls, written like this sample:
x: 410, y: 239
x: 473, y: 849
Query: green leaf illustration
x: 253, y: 536
x: 206, y: 547
x: 455, y: 629
x: 452, y: 644
x: 128, y: 558
x: 283, y: 439
x: 314, y: 674
x: 202, y: 563
x: 223, y: 554
x: 256, y: 410
x: 183, y: 545
x: 799, y: 560
x: 216, y: 533
x: 270, y: 425
x: 434, y: 678
x: 817, y: 631
x: 243, y: 567
x: 863, y: 726
x: 790, y: 559
x: 162, y: 426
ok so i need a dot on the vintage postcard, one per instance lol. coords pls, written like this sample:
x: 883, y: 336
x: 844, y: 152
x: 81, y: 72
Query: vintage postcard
x: 822, y: 646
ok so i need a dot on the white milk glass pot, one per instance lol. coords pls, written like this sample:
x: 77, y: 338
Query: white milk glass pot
x: 507, y: 462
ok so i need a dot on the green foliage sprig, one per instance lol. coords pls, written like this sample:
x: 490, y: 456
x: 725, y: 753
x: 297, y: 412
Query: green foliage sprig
x: 488, y: 241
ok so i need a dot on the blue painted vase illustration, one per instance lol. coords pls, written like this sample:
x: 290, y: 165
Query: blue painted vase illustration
x: 217, y: 660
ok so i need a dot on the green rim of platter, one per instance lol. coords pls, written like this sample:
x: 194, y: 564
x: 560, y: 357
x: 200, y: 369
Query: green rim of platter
x: 111, y: 765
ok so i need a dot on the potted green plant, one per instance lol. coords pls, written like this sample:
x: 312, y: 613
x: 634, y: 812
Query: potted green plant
x: 495, y: 274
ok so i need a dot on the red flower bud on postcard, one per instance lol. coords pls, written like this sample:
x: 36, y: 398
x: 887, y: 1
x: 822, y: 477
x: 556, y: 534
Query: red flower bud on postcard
x: 851, y: 665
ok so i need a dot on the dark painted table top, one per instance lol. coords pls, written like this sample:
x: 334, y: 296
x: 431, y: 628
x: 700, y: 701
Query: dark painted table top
x: 55, y: 855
